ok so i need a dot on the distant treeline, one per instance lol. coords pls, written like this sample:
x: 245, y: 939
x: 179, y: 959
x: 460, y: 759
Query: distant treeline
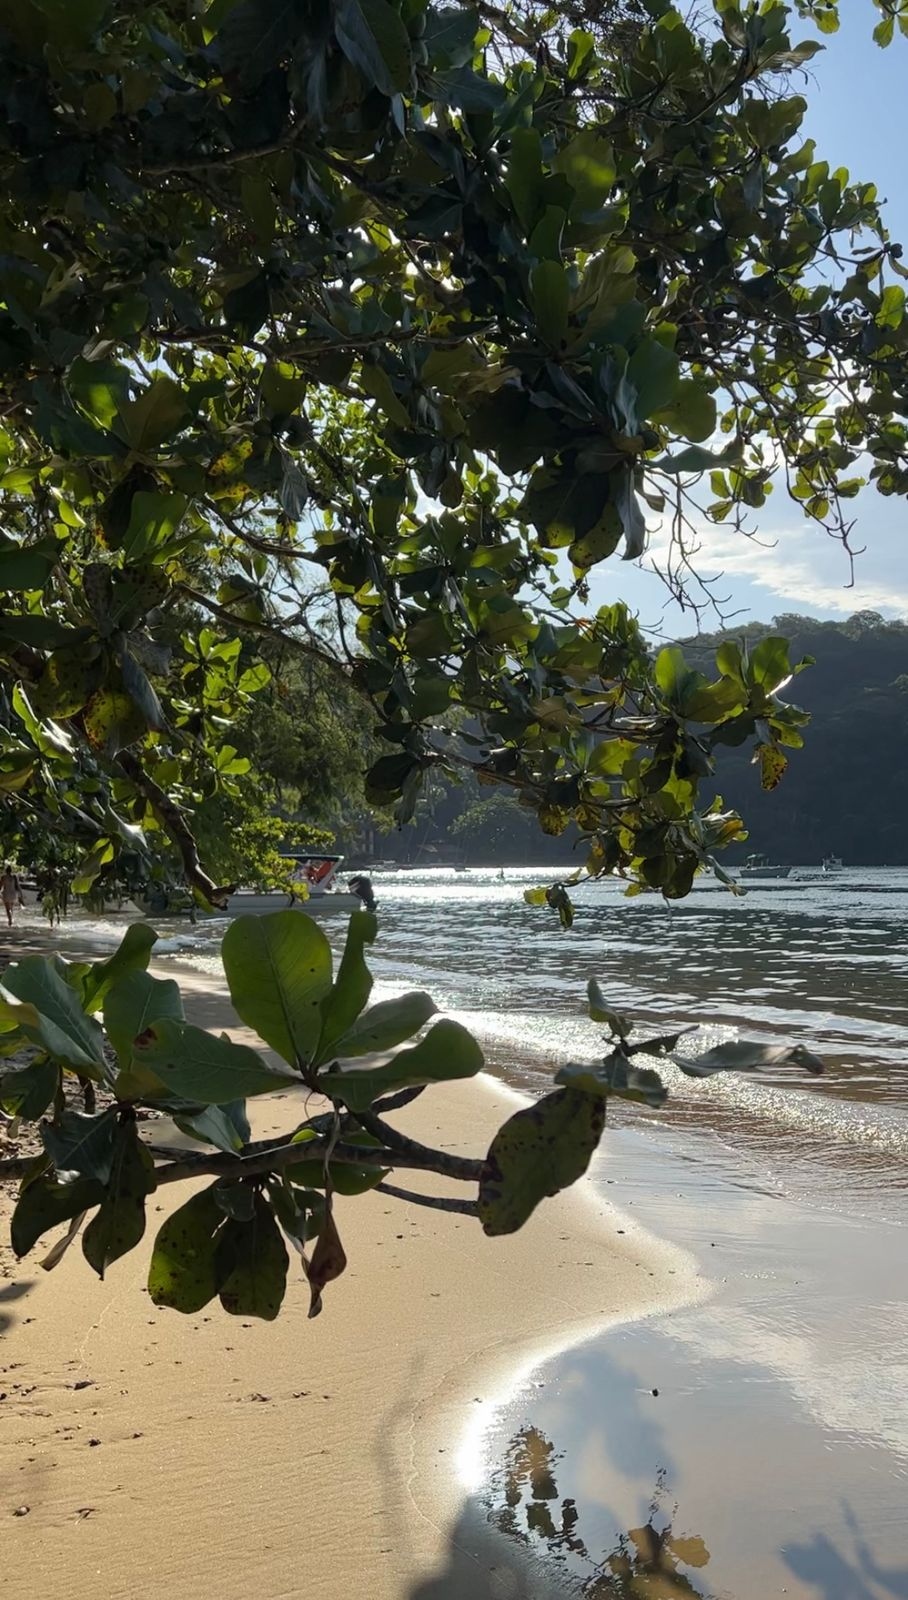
x: 845, y: 793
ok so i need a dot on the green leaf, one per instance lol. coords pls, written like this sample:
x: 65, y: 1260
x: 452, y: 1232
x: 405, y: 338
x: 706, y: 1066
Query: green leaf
x: 588, y: 163
x: 600, y: 1011
x: 653, y: 371
x: 447, y: 1052
x: 51, y: 1016
x: 769, y: 664
x: 252, y: 1265
x: 385, y: 1026
x: 134, y: 1001
x: 226, y: 1127
x: 523, y: 179
x: 50, y: 739
x: 82, y: 1145
x: 614, y: 1076
x: 183, y: 1273
x: 27, y: 566
x: 278, y: 970
x: 539, y: 1151
x: 255, y: 35
x: 352, y: 987
x: 202, y: 1067
x: 550, y: 296
x: 372, y: 36
x: 131, y: 955
x: 747, y: 1055
x: 153, y: 520
x: 156, y: 414
x: 101, y: 388
x: 344, y: 1177
x: 450, y: 35
x: 282, y: 388
x: 692, y: 413
x: 45, y: 1203
x: 119, y: 1223
x: 28, y: 1091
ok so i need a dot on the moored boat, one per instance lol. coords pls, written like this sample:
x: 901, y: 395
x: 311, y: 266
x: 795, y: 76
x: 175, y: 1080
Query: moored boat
x: 313, y: 889
x: 758, y: 865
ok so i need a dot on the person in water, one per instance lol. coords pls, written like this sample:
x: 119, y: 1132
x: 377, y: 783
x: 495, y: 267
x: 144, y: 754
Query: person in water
x: 10, y: 892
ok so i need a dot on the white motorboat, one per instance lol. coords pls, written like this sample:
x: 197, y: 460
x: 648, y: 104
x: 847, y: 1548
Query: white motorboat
x: 313, y: 889
x: 760, y: 866
x: 832, y: 865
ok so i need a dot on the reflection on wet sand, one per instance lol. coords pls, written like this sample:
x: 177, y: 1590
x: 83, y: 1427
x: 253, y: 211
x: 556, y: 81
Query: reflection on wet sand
x: 651, y: 1562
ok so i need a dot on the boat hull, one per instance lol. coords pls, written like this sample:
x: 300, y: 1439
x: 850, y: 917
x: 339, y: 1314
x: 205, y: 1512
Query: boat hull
x: 247, y: 903
x: 765, y: 872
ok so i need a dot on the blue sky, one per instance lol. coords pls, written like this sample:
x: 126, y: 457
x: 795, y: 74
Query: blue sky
x: 857, y: 95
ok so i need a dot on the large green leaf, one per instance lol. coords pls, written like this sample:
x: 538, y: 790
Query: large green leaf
x: 550, y: 297
x: 155, y: 415
x: 132, y: 1003
x: 82, y: 1146
x: 614, y: 1076
x: 28, y: 1091
x: 252, y: 1265
x: 132, y: 954
x: 748, y: 1055
x: 352, y: 986
x: 386, y: 1025
x: 447, y: 1052
x: 45, y: 1203
x: 153, y: 520
x: 119, y: 1223
x: 183, y: 1273
x: 27, y: 566
x: 372, y: 36
x: 539, y: 1151
x: 226, y: 1127
x: 279, y: 971
x: 203, y: 1068
x: 50, y: 1015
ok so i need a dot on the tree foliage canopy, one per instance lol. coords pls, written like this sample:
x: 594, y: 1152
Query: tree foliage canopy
x: 379, y: 325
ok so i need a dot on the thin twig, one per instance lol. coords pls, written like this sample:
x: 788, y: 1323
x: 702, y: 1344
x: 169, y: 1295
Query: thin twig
x: 465, y: 1208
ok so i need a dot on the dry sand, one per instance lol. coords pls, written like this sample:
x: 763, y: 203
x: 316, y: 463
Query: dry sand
x: 209, y: 1456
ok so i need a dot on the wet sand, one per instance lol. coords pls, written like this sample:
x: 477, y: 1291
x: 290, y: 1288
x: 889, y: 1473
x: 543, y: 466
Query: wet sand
x: 150, y: 1453
x: 750, y: 1446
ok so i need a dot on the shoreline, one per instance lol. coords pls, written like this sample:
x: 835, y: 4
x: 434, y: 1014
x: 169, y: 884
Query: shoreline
x: 334, y: 1446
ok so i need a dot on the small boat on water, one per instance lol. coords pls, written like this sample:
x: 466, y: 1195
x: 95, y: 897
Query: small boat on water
x: 760, y: 866
x: 832, y: 865
x: 313, y: 890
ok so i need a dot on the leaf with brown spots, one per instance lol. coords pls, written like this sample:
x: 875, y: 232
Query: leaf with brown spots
x: 535, y: 1154
x: 251, y: 1264
x: 773, y: 764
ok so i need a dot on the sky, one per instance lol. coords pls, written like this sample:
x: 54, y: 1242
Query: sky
x: 857, y: 114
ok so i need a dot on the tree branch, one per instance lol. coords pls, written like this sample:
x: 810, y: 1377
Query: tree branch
x: 174, y: 821
x: 455, y: 1166
x: 275, y: 1158
x: 266, y: 630
x: 466, y: 1208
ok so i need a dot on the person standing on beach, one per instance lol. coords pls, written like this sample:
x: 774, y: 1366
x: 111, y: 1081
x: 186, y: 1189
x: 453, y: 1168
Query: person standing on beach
x: 10, y: 892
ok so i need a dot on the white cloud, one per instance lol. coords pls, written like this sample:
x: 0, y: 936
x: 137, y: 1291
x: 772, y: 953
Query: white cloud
x: 798, y: 564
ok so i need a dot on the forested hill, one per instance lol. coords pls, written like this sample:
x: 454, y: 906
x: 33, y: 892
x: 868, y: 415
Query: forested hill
x: 846, y: 792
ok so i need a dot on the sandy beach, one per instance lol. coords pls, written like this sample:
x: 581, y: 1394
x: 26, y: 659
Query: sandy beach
x: 208, y: 1456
